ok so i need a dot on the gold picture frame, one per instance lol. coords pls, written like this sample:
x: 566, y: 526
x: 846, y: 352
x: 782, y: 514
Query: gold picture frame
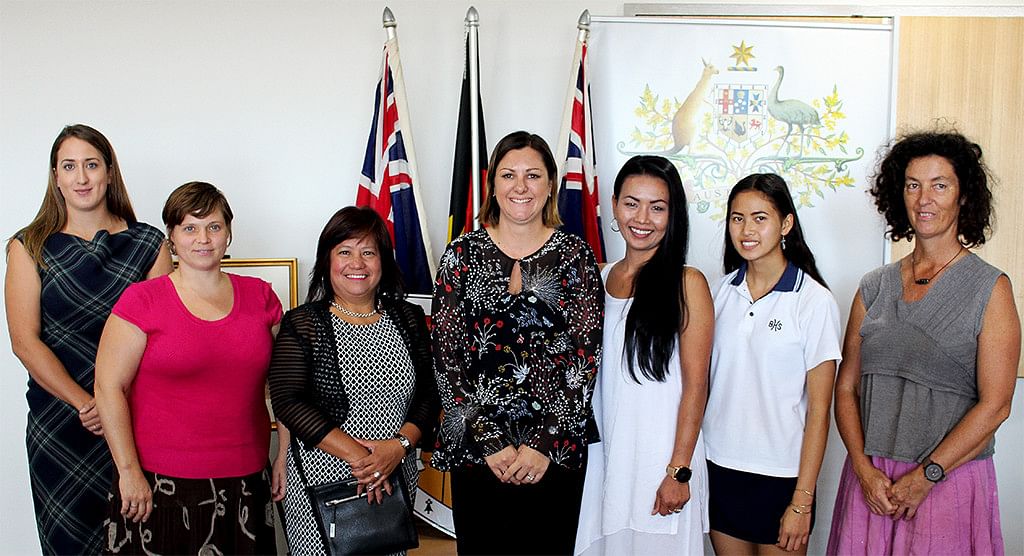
x: 281, y: 274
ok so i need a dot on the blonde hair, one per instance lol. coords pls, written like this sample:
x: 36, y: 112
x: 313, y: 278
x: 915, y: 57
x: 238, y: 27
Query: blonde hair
x: 53, y: 213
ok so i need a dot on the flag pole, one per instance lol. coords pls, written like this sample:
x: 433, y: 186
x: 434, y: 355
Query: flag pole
x: 472, y: 28
x: 583, y: 25
x: 391, y: 28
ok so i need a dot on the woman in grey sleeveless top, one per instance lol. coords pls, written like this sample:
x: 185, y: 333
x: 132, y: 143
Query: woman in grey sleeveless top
x: 929, y: 365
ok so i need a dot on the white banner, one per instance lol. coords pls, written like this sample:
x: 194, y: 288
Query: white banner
x: 811, y: 102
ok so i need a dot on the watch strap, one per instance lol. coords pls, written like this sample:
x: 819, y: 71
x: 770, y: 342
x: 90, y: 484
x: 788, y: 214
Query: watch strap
x: 405, y: 442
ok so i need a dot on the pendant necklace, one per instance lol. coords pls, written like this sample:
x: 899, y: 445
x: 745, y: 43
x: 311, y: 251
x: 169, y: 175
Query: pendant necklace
x: 352, y: 314
x: 926, y: 281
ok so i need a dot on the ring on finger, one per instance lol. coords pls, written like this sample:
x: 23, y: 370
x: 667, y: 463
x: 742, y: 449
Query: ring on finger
x: 530, y: 478
x: 376, y: 474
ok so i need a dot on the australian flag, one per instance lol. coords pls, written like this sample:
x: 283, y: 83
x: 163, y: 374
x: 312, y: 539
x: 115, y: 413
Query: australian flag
x: 386, y: 184
x: 578, y: 201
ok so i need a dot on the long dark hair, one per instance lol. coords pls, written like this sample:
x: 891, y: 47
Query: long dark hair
x: 347, y: 223
x: 653, y: 324
x: 796, y: 250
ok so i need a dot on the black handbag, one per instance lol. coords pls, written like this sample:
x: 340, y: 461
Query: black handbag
x: 349, y: 525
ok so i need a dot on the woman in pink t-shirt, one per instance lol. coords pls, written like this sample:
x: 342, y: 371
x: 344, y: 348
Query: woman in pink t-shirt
x: 180, y: 386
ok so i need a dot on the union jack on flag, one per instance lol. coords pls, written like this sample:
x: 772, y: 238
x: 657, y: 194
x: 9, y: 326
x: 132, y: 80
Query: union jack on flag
x: 578, y: 201
x: 387, y: 182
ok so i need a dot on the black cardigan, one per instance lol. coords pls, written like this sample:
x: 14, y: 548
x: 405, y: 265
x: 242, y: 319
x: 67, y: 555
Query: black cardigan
x: 305, y: 353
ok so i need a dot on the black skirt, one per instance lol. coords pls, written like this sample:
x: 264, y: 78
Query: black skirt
x: 232, y: 515
x: 492, y: 517
x: 749, y: 506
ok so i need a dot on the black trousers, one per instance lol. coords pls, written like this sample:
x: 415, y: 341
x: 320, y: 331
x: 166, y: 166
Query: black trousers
x: 492, y: 517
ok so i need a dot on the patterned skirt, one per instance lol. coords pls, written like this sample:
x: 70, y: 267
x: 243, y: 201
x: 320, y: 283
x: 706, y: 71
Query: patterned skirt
x: 208, y: 517
x: 959, y: 516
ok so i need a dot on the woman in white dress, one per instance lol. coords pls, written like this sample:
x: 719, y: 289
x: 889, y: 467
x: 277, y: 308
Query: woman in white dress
x: 646, y: 482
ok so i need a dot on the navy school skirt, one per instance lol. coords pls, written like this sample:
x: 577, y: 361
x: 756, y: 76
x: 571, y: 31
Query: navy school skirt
x: 749, y: 506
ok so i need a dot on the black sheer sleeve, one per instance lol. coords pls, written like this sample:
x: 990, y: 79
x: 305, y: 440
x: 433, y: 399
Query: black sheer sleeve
x: 290, y: 377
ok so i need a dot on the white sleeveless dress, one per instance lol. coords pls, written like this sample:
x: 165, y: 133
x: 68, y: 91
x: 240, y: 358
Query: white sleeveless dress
x: 638, y: 426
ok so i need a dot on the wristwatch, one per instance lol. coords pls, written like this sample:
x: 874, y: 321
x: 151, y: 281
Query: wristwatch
x: 933, y: 471
x: 404, y: 441
x: 681, y: 474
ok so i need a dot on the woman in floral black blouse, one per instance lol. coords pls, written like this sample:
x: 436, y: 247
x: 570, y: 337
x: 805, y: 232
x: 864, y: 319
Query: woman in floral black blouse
x: 517, y: 314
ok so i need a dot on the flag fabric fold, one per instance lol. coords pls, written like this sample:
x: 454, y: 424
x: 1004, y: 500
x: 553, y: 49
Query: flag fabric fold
x: 388, y: 182
x: 579, y: 204
x: 467, y: 188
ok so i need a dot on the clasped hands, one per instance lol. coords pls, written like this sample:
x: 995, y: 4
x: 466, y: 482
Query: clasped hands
x: 523, y: 466
x: 373, y: 469
x: 90, y: 417
x: 898, y: 499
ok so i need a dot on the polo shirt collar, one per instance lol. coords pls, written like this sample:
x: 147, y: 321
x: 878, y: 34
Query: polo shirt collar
x: 790, y: 281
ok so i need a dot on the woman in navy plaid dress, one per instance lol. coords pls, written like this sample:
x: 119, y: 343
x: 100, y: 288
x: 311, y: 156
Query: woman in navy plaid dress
x: 65, y: 270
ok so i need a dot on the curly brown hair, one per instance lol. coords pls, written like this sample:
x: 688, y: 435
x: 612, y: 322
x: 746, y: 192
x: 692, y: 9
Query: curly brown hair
x: 974, y: 224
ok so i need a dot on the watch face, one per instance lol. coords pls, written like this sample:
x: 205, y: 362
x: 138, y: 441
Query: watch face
x: 683, y: 474
x: 933, y: 472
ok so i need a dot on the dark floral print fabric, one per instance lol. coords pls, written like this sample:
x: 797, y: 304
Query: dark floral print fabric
x: 516, y: 368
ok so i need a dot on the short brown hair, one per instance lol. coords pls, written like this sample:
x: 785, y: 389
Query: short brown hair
x: 196, y: 198
x: 490, y: 212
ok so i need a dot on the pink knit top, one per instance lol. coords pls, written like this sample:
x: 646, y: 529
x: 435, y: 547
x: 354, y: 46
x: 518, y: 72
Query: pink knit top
x: 198, y: 401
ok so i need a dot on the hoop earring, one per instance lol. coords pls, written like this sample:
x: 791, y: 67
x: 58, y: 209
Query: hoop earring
x: 783, y: 243
x: 614, y: 225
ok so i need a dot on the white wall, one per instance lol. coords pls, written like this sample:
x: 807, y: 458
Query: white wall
x: 271, y: 102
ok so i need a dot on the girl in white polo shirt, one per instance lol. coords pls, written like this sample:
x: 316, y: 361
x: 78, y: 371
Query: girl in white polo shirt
x: 776, y: 347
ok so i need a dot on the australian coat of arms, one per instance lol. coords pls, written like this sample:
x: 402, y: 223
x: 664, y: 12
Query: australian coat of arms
x: 734, y: 124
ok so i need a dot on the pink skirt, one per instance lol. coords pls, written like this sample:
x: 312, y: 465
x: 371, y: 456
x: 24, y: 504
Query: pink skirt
x: 959, y: 516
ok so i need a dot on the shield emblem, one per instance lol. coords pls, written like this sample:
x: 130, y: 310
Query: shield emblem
x: 740, y: 111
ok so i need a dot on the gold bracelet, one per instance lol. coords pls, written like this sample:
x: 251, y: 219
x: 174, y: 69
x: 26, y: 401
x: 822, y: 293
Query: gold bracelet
x: 796, y: 511
x: 800, y: 505
x: 807, y: 492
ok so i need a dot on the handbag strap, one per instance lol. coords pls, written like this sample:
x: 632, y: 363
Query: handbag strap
x: 296, y: 449
x: 298, y: 460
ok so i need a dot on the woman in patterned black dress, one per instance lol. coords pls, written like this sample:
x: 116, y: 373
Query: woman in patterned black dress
x: 518, y: 312
x: 351, y: 374
x: 65, y: 270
